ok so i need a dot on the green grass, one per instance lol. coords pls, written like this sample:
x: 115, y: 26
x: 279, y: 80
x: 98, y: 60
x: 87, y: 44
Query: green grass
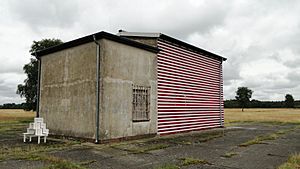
x: 272, y: 136
x: 259, y: 140
x: 25, y: 152
x: 186, y: 161
x: 229, y: 154
x: 57, y: 163
x: 168, y: 166
x: 293, y: 162
x: 192, y: 161
x: 21, y: 151
x: 34, y: 152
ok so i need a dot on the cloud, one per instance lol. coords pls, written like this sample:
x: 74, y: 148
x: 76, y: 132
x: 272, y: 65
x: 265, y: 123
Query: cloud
x: 8, y: 87
x: 45, y: 13
x: 260, y: 38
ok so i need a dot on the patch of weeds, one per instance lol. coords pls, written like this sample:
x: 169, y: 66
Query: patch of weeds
x: 284, y: 131
x: 87, y: 162
x: 229, y: 154
x: 168, y: 166
x: 57, y: 163
x: 293, y: 162
x: 155, y: 147
x: 204, y: 137
x: 180, y: 142
x: 23, y: 152
x: 192, y: 161
x: 259, y: 140
x: 273, y: 136
x: 185, y: 162
x: 210, y: 137
x: 195, y: 138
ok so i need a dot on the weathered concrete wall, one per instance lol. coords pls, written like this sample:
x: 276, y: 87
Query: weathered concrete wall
x: 145, y: 40
x: 121, y: 67
x: 68, y: 90
x: 68, y: 82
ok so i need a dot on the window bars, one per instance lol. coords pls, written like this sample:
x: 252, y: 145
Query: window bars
x: 140, y: 103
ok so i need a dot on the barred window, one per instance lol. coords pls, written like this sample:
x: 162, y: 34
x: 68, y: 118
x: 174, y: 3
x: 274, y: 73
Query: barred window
x: 140, y: 103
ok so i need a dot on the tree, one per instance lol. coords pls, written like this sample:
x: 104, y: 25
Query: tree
x: 243, y: 95
x: 289, y: 101
x: 29, y: 88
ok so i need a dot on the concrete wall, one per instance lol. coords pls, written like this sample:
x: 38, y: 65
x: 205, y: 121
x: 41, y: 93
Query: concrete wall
x: 68, y: 90
x: 121, y: 67
x: 145, y: 40
x: 68, y: 82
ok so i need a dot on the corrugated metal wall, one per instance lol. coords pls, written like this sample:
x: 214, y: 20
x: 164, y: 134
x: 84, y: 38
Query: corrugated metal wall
x: 190, y: 93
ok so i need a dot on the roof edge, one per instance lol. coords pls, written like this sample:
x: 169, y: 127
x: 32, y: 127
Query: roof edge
x: 89, y: 38
x: 171, y: 39
x: 139, y: 34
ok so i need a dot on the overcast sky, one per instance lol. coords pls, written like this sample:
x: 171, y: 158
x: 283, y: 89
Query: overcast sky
x: 260, y: 38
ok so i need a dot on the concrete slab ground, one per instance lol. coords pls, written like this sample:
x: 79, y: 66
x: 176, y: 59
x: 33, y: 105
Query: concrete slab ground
x: 242, y: 146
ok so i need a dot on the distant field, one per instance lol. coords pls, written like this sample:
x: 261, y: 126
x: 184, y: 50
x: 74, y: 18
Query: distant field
x: 262, y: 115
x: 231, y: 115
x: 15, y: 114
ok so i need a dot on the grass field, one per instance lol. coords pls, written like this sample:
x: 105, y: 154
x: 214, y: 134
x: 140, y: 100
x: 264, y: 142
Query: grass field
x: 262, y: 115
x: 15, y: 114
x: 231, y: 115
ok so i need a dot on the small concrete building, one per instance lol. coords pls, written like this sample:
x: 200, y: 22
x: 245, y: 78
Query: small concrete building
x: 190, y: 84
x: 106, y: 86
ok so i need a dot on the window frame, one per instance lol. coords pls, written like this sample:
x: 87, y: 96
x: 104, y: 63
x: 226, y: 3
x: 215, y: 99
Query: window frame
x: 141, y: 93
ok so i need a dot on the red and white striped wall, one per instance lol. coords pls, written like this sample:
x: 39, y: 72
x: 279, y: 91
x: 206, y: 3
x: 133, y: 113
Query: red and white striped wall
x: 190, y: 92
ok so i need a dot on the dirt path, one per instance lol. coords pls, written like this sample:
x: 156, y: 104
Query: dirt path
x: 243, y: 146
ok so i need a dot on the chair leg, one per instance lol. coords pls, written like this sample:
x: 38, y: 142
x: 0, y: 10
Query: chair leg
x: 45, y: 137
x: 24, y: 138
x: 38, y: 139
x: 29, y: 138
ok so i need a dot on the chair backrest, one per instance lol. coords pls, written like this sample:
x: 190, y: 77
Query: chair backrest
x: 38, y: 119
x: 38, y: 126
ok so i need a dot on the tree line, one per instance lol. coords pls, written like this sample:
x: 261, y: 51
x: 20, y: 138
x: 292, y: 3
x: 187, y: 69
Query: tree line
x: 244, y: 94
x: 14, y: 106
x: 260, y: 104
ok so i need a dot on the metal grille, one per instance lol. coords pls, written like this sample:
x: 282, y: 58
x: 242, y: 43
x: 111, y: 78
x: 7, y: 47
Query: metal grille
x: 140, y: 103
x: 190, y: 93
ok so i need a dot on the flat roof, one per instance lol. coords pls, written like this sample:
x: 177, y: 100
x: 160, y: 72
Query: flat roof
x: 90, y: 38
x: 170, y: 39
